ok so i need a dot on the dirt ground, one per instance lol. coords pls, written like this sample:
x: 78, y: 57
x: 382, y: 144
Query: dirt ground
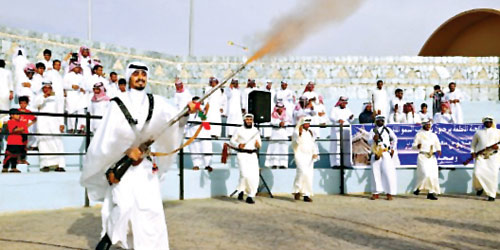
x: 330, y: 222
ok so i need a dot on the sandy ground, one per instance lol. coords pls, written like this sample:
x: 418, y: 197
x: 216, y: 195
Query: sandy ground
x: 330, y: 222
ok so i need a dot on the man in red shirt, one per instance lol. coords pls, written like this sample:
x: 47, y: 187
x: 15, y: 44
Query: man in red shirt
x: 15, y: 144
x: 26, y: 118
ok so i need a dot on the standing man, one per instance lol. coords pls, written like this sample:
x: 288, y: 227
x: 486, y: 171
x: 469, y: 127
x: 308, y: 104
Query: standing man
x: 287, y: 96
x: 113, y: 84
x: 47, y: 54
x: 47, y: 102
x: 234, y: 115
x: 54, y: 76
x: 244, y: 96
x: 75, y: 96
x: 269, y: 88
x: 215, y: 110
x: 182, y: 95
x: 132, y: 212
x: 484, y: 149
x: 341, y: 115
x: 397, y: 115
x: 278, y: 145
x: 246, y: 140
x: 383, y: 140
x: 453, y: 97
x: 6, y: 87
x: 306, y: 153
x: 437, y: 98
x: 380, y: 99
x: 427, y: 144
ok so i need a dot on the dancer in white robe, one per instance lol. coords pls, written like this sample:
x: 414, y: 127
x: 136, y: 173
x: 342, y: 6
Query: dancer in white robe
x: 247, y: 142
x: 201, y: 148
x: 306, y: 153
x: 132, y: 212
x: 383, y: 142
x: 454, y: 97
x: 427, y: 144
x: 380, y: 99
x: 6, y: 87
x: 279, y: 121
x: 47, y: 102
x: 215, y: 110
x: 484, y: 150
x: 75, y: 96
x: 341, y: 115
x: 234, y: 110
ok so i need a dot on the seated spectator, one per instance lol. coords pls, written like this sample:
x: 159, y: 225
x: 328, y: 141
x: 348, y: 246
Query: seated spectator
x: 409, y: 114
x: 367, y: 115
x: 445, y: 115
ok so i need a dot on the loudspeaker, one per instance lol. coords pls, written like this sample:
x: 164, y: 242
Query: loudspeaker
x: 259, y: 105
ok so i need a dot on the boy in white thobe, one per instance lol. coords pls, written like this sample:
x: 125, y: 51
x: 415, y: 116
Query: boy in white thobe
x: 427, y: 144
x: 246, y: 140
x: 279, y: 121
x: 341, y: 115
x: 383, y: 140
x: 306, y: 153
x: 47, y: 102
x: 484, y: 149
x: 380, y: 99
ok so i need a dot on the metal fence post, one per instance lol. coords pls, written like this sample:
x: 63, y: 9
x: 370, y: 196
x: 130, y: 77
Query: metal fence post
x: 181, y: 174
x: 87, y: 143
x: 341, y: 141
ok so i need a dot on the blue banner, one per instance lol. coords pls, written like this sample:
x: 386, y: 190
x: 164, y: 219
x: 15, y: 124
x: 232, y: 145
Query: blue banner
x: 455, y: 141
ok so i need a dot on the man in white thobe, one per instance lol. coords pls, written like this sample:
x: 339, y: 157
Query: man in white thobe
x: 341, y: 115
x: 484, y: 149
x: 279, y: 136
x: 47, y: 102
x: 6, y: 87
x: 287, y: 96
x: 380, y: 99
x: 201, y: 147
x: 234, y: 110
x: 251, y: 86
x: 396, y: 115
x: 306, y: 153
x: 54, y: 76
x: 383, y: 141
x: 182, y: 95
x: 25, y: 85
x: 75, y: 96
x: 132, y: 212
x: 19, y: 61
x: 47, y: 54
x: 453, y: 97
x: 215, y: 110
x: 246, y: 140
x: 427, y: 144
x: 444, y: 116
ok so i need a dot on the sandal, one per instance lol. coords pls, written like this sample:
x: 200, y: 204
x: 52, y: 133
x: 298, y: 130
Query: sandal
x: 15, y: 170
x: 45, y: 169
x: 58, y: 169
x: 196, y: 168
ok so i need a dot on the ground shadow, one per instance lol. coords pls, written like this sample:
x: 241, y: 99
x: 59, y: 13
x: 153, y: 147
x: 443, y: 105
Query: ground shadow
x: 458, y: 181
x: 459, y: 225
x: 88, y: 226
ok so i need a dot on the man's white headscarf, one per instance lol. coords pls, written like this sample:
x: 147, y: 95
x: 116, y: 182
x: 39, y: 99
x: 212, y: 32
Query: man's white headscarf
x: 489, y: 118
x: 132, y: 67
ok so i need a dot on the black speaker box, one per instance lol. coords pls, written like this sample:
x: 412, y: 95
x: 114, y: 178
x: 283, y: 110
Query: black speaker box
x: 259, y: 105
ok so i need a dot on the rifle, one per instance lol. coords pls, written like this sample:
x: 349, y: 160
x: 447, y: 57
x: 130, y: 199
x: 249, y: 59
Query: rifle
x: 484, y: 151
x: 114, y: 174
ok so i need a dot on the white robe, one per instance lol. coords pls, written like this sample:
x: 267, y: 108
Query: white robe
x: 199, y: 147
x: 266, y: 131
x: 25, y: 91
x: 380, y: 101
x: 278, y: 147
x: 75, y: 99
x: 49, y: 125
x: 134, y: 205
x: 304, y: 147
x: 19, y: 63
x: 427, y: 168
x: 182, y: 99
x: 287, y: 96
x: 57, y: 82
x: 344, y: 114
x: 443, y: 118
x: 485, y: 175
x: 6, y: 87
x: 234, y: 114
x: 456, y: 108
x: 214, y: 111
x: 422, y: 116
x: 396, y: 117
x: 244, y: 98
x: 248, y: 163
x: 384, y: 178
x: 98, y: 109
